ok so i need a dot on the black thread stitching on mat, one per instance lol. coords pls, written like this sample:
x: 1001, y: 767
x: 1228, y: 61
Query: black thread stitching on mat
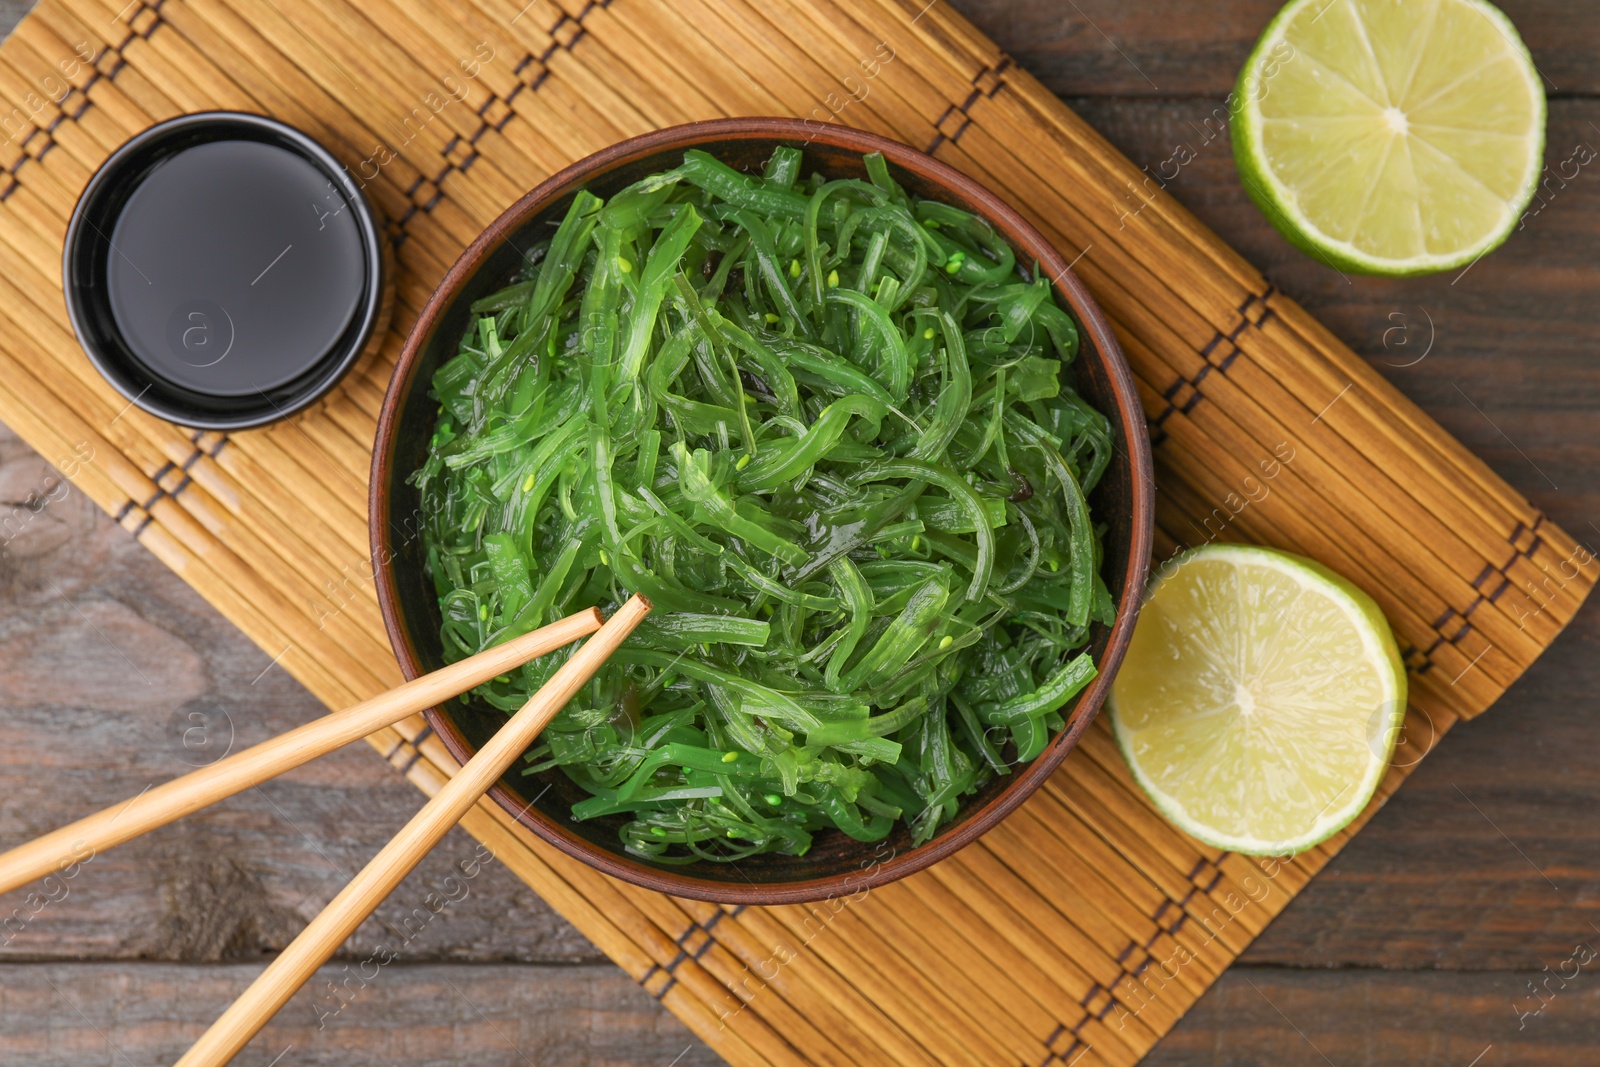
x: 670, y: 969
x: 1490, y: 570
x: 706, y: 941
x: 422, y: 736
x: 410, y: 763
x: 166, y: 469
x: 416, y: 750
x: 672, y: 979
x: 985, y: 84
x: 1062, y: 1030
x: 183, y: 468
x: 47, y: 132
x: 1061, y: 1057
x: 1158, y: 435
x: 95, y: 75
x: 468, y: 145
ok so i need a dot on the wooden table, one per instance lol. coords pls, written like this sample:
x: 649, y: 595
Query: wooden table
x: 1476, y: 884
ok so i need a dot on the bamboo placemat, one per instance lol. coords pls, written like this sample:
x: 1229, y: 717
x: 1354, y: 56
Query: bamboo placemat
x: 1083, y: 927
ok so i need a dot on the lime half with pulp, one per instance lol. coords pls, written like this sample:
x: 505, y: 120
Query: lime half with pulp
x: 1391, y: 137
x: 1260, y: 698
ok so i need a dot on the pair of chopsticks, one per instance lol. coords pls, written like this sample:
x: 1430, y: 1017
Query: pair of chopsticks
x: 299, y: 961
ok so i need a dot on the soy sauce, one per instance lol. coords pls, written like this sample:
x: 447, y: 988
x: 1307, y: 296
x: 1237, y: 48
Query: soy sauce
x: 236, y: 266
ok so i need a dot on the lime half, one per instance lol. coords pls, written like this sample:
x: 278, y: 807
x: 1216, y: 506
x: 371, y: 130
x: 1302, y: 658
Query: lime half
x: 1260, y: 698
x: 1391, y: 136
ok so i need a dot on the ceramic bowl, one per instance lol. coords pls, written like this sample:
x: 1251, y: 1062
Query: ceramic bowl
x: 836, y: 865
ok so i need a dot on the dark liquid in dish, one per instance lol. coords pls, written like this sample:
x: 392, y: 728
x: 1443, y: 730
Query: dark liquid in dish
x: 236, y: 267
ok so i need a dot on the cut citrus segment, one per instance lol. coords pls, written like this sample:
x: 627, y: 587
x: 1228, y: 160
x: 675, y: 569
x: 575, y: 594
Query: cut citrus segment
x: 1391, y: 136
x: 1260, y: 698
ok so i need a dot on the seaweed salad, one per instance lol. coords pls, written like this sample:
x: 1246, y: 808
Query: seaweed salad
x: 828, y: 428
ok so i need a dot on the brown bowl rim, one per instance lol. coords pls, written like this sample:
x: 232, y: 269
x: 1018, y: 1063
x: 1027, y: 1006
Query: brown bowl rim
x: 1129, y: 412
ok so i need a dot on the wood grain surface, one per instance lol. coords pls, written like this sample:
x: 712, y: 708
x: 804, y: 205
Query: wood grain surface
x: 1445, y: 934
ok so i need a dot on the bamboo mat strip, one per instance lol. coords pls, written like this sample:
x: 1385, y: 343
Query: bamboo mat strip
x: 1081, y: 929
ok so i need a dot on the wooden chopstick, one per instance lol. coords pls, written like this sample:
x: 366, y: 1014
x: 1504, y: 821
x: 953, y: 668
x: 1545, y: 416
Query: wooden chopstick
x: 323, y: 936
x: 165, y: 803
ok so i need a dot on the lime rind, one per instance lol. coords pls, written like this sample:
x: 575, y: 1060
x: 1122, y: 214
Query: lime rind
x: 1279, y: 206
x: 1378, y: 641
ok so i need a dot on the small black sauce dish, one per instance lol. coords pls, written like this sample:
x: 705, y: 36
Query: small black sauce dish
x: 223, y: 271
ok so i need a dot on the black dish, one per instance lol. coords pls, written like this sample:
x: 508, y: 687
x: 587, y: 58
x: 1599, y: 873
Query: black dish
x: 223, y: 270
